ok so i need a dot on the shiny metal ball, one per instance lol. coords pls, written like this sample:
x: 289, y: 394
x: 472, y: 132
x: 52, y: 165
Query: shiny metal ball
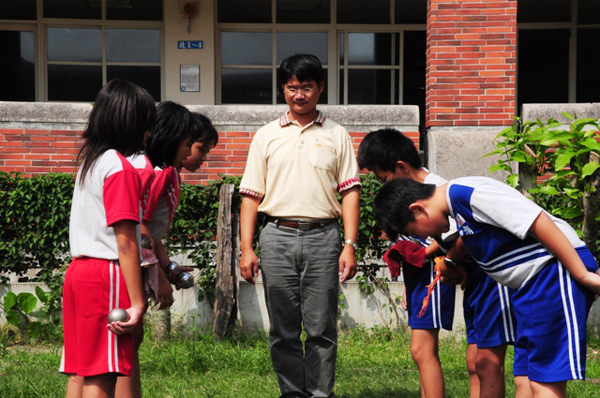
x: 118, y: 315
x: 186, y: 280
x: 172, y: 268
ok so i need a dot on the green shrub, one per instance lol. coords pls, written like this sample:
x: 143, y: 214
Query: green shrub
x: 35, y: 212
x: 558, y: 167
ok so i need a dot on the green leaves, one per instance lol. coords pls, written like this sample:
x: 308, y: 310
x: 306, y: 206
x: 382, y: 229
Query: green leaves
x: 563, y: 170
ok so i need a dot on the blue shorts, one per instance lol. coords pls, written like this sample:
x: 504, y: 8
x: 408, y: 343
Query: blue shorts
x: 487, y: 305
x: 552, y: 311
x: 440, y: 311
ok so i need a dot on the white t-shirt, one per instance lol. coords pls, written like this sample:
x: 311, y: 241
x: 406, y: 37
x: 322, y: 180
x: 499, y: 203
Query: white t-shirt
x: 111, y: 193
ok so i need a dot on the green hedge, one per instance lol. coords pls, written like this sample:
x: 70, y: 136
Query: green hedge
x: 34, y: 213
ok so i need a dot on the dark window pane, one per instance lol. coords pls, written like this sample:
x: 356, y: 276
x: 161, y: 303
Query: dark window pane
x: 135, y: 10
x: 363, y: 11
x: 370, y: 49
x: 81, y: 9
x: 74, y: 82
x: 246, y: 86
x: 132, y: 45
x: 305, y: 11
x: 256, y: 11
x: 411, y: 11
x: 341, y: 49
x: 341, y: 87
x: 543, y: 69
x: 17, y: 69
x: 22, y: 9
x: 371, y: 87
x: 544, y: 10
x: 290, y: 43
x: 588, y: 11
x: 147, y: 77
x: 246, y: 48
x: 79, y: 45
x: 588, y: 59
x: 413, y: 92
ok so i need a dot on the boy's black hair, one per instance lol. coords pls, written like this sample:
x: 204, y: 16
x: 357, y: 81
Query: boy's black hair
x: 392, y: 203
x: 382, y: 149
x: 305, y: 67
x: 208, y: 133
x: 121, y: 116
x: 174, y: 124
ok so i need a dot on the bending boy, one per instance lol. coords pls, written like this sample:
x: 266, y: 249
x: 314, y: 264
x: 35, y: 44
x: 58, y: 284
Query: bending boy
x: 521, y: 246
x: 389, y: 154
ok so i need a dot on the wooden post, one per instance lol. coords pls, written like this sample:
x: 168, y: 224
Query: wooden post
x: 227, y: 286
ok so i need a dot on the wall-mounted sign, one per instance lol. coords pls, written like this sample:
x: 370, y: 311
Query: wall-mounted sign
x: 189, y: 78
x: 190, y: 44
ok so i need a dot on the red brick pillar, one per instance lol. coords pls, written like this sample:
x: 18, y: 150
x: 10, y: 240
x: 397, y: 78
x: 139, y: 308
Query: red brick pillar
x: 471, y: 62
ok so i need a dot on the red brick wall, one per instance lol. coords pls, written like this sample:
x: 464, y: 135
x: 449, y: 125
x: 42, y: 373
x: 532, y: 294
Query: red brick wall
x: 35, y: 152
x: 471, y: 62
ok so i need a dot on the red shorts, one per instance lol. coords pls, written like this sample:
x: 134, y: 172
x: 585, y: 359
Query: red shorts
x: 92, y: 288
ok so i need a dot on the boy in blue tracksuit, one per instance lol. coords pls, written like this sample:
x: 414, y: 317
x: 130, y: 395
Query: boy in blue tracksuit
x: 521, y: 246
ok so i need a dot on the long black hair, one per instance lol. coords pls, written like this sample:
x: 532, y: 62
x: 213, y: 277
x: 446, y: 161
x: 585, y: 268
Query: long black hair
x: 119, y: 120
x: 174, y: 123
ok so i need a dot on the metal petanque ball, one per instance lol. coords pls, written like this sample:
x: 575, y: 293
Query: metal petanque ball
x: 172, y: 268
x: 186, y: 280
x: 118, y: 315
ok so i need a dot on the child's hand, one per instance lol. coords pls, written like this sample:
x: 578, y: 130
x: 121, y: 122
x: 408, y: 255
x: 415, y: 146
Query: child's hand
x: 119, y: 328
x: 592, y: 281
x: 451, y: 276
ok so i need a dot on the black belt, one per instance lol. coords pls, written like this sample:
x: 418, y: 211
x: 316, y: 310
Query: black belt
x: 300, y: 224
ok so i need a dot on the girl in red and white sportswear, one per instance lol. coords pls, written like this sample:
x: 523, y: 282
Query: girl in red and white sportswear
x: 104, y: 234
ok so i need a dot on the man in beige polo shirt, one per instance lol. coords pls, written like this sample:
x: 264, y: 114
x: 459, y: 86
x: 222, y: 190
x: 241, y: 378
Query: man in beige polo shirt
x: 297, y: 165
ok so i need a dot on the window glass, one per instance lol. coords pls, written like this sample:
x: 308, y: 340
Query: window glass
x: 22, y: 9
x: 588, y: 59
x: 542, y: 79
x: 363, y: 11
x: 256, y: 11
x: 410, y: 11
x: 81, y: 9
x: 413, y: 92
x: 132, y: 45
x: 341, y: 49
x: 341, y: 87
x: 370, y: 87
x: 544, y: 10
x: 17, y: 69
x: 305, y: 11
x: 290, y: 43
x: 135, y: 10
x: 370, y: 49
x: 71, y: 44
x: 74, y: 82
x: 147, y: 77
x: 588, y: 11
x: 246, y: 86
x: 246, y: 48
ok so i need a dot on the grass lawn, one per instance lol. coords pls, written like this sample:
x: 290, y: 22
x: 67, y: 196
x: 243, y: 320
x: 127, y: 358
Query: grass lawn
x: 371, y: 363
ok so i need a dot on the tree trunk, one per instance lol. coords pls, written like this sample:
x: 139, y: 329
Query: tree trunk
x: 591, y: 197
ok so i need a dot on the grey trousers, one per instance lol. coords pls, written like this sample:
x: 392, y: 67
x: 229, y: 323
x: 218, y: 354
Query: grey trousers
x: 301, y: 281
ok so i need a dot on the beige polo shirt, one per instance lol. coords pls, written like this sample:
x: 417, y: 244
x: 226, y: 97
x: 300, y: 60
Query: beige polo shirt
x: 299, y: 171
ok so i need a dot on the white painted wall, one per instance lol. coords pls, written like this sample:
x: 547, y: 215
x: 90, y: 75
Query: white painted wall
x: 202, y: 28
